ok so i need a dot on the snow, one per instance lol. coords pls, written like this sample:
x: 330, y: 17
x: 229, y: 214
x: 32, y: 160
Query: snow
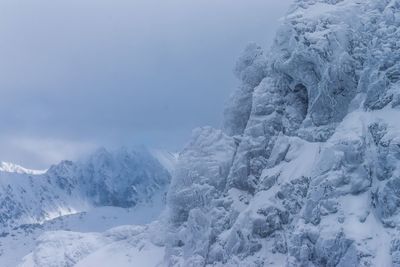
x: 299, y: 160
x: 123, y: 255
x: 14, y: 168
x: 371, y: 231
x: 21, y: 241
x: 128, y: 245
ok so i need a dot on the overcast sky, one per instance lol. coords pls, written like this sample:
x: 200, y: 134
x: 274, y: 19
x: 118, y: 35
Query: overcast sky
x: 79, y: 74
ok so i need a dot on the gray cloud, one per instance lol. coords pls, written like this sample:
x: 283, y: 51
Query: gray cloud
x: 81, y: 73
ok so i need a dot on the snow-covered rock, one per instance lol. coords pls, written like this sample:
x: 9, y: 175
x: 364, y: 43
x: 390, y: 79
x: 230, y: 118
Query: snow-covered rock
x: 309, y: 174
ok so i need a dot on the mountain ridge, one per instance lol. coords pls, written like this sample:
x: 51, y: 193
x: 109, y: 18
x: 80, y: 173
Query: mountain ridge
x: 15, y: 168
x: 121, y: 178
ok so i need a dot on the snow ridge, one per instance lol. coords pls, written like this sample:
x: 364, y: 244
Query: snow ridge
x: 14, y: 168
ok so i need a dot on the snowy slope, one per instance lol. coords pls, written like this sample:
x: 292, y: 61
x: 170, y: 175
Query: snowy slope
x: 21, y: 241
x: 120, y: 246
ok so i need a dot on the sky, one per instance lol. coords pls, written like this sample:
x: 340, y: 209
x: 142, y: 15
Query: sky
x: 79, y: 74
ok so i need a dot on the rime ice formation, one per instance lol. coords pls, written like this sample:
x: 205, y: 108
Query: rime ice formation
x: 307, y: 170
